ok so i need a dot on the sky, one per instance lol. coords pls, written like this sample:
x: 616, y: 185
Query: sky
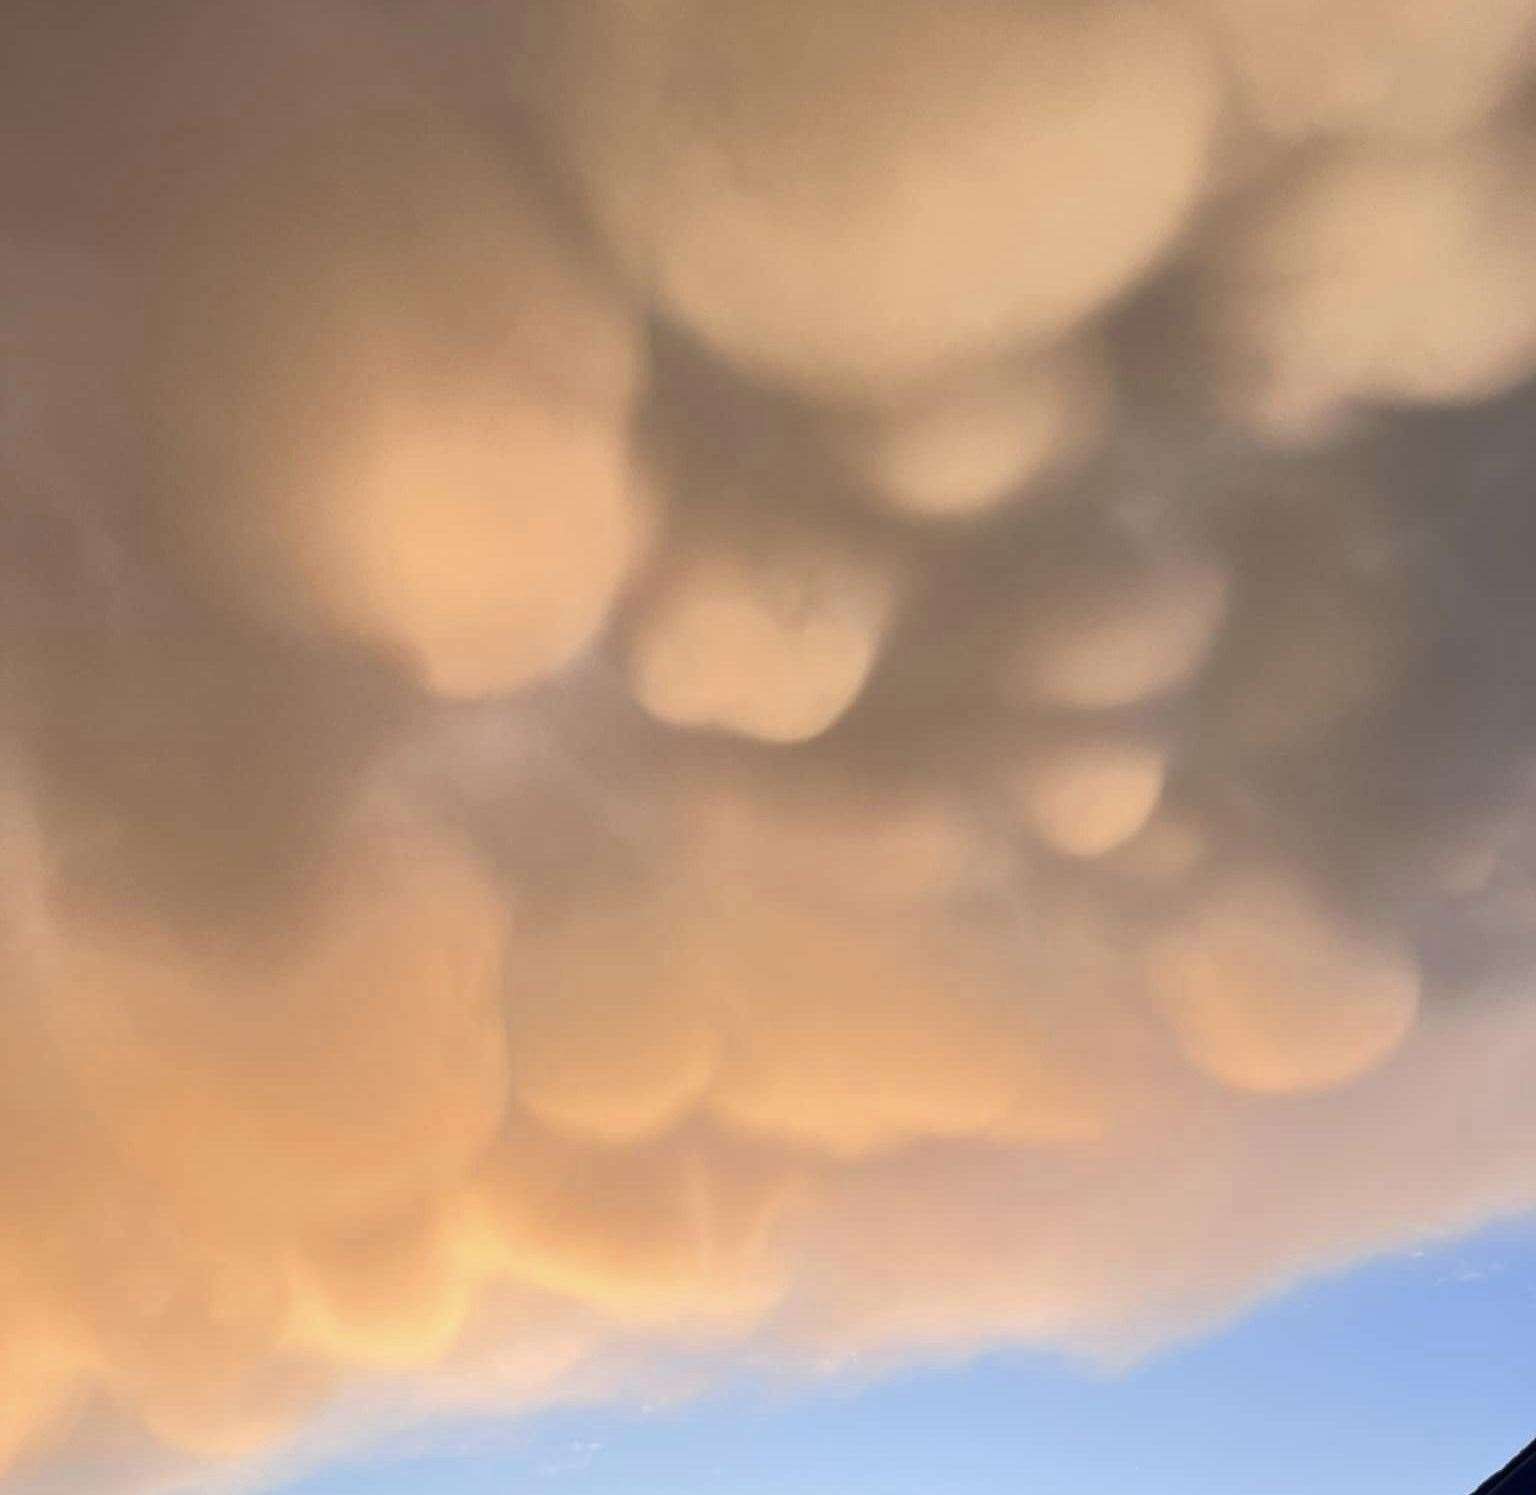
x: 1411, y: 1376
x: 701, y: 697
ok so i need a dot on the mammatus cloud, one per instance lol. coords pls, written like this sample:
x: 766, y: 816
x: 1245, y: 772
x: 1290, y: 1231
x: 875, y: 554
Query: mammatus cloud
x: 707, y: 682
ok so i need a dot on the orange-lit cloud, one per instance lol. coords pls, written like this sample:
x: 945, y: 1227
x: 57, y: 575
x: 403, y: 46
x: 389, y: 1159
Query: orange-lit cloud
x: 678, y: 685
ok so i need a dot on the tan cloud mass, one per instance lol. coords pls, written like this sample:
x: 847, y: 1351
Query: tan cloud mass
x: 978, y: 438
x: 1414, y: 68
x: 737, y: 682
x: 1263, y: 995
x: 414, y: 404
x: 1385, y: 273
x: 757, y: 636
x: 812, y: 191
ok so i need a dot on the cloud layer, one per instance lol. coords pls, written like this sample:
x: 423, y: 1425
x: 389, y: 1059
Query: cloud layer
x: 686, y: 685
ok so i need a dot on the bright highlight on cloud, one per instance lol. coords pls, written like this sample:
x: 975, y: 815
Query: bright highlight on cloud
x: 751, y: 684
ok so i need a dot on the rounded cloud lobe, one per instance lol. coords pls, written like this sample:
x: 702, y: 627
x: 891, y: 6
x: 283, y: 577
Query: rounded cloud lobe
x: 687, y: 691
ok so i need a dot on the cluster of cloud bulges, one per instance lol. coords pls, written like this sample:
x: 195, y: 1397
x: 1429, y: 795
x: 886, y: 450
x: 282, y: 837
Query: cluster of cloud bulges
x: 740, y: 683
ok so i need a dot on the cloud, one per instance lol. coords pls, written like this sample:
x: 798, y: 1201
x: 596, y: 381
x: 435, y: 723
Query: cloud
x: 685, y: 695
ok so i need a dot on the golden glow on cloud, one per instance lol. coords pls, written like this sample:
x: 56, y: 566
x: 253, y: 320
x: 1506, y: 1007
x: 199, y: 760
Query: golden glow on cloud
x: 732, y: 675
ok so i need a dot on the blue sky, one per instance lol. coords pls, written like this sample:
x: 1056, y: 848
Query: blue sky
x: 1412, y: 1375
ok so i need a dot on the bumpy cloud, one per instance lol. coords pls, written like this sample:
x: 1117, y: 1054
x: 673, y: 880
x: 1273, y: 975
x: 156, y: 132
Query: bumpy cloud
x: 709, y: 681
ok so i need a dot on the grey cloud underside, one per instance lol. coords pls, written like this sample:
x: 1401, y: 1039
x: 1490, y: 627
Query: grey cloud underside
x: 641, y: 721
